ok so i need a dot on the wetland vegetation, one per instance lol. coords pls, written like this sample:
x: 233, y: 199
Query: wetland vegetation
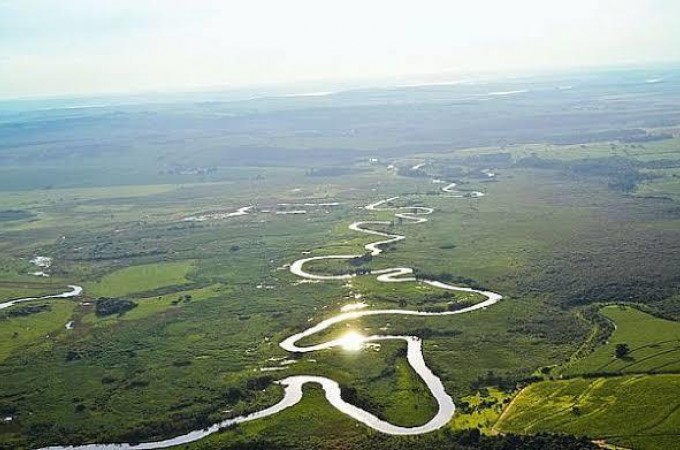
x: 179, y: 323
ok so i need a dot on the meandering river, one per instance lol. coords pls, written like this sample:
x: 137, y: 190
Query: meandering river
x: 293, y: 385
x: 74, y: 292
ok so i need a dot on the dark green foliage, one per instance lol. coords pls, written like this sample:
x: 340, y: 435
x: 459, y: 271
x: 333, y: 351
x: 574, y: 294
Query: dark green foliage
x: 415, y: 173
x: 446, y: 277
x: 504, y: 382
x: 361, y: 260
x: 621, y: 351
x: 179, y: 368
x: 644, y: 136
x: 470, y: 439
x: 602, y: 327
x: 328, y: 172
x: 360, y: 399
x: 108, y: 306
x: 426, y: 333
x: 259, y: 383
x: 487, y: 160
x: 621, y: 174
x: 8, y: 215
x: 27, y: 310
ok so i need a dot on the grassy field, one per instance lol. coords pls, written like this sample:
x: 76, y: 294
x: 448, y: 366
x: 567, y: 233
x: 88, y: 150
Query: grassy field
x: 150, y: 306
x: 22, y: 287
x: 654, y: 345
x: 148, y: 277
x: 481, y: 410
x: 18, y: 333
x: 215, y: 298
x: 635, y: 411
x: 182, y: 357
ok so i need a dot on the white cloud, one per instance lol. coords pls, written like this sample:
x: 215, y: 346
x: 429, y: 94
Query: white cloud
x: 83, y: 46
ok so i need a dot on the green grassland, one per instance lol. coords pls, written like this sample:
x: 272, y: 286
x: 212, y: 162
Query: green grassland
x: 339, y: 432
x: 150, y: 306
x: 21, y: 287
x: 481, y: 410
x: 142, y: 278
x: 382, y: 379
x: 654, y: 345
x: 634, y: 411
x: 301, y: 421
x: 413, y: 295
x: 547, y: 240
x: 17, y: 333
x: 16, y: 280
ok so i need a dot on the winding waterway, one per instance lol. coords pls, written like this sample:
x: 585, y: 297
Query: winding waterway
x: 293, y: 385
x: 74, y: 292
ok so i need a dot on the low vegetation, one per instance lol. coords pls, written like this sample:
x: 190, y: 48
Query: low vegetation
x: 108, y: 306
x: 640, y: 343
x: 634, y: 411
x: 179, y: 318
x: 144, y: 278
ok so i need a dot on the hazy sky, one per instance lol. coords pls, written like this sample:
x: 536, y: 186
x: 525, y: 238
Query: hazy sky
x: 54, y: 47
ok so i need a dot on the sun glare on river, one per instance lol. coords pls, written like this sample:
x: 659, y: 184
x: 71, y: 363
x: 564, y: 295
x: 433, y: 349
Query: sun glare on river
x: 352, y: 341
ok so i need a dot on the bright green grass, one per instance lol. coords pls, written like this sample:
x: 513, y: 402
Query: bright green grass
x: 639, y: 411
x: 382, y: 378
x: 235, y: 334
x: 16, y: 280
x: 668, y: 184
x: 409, y: 295
x: 190, y: 354
x: 662, y: 149
x: 46, y: 197
x: 12, y: 290
x: 34, y: 330
x: 403, y: 387
x: 484, y: 410
x: 654, y: 344
x: 142, y: 278
x: 301, y: 421
x: 154, y: 305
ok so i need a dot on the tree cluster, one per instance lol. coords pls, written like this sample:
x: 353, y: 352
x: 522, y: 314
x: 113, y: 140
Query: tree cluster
x: 105, y: 306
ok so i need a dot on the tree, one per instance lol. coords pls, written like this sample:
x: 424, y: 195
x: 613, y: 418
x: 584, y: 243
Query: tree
x: 105, y: 306
x: 622, y: 350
